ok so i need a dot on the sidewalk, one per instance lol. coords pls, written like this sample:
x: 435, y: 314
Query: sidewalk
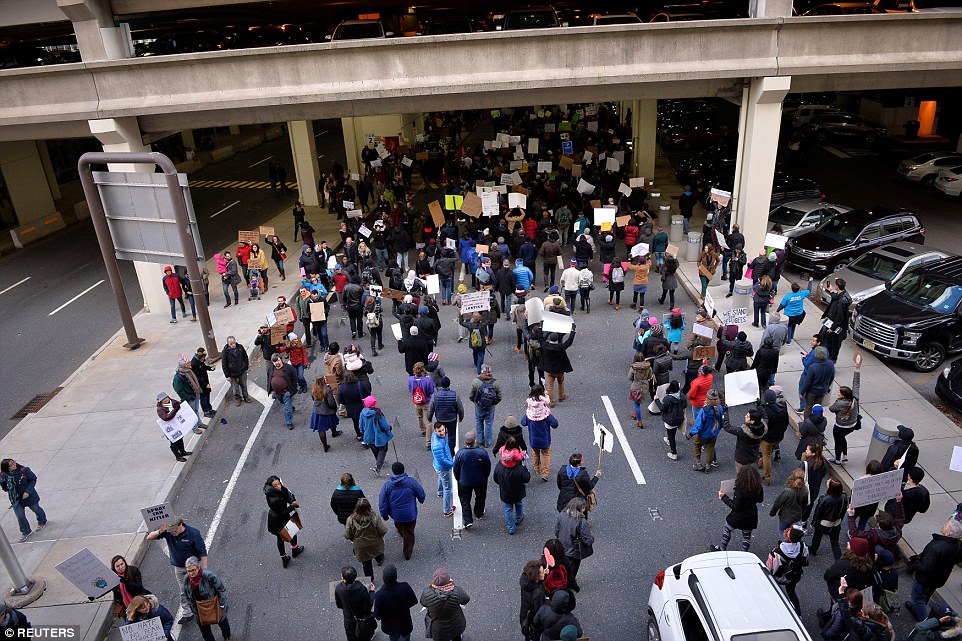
x: 98, y: 453
x: 883, y: 394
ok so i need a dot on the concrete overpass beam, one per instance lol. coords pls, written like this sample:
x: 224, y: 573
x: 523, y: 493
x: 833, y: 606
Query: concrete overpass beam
x: 97, y: 36
x: 304, y: 153
x: 758, y: 144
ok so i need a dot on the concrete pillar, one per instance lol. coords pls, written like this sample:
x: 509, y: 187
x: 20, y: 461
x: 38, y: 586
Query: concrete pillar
x: 123, y: 134
x: 234, y: 129
x: 352, y: 150
x: 304, y: 153
x: 770, y: 8
x: 187, y: 138
x: 48, y: 168
x: 644, y: 120
x: 356, y: 128
x: 27, y: 184
x: 758, y: 145
x: 97, y: 37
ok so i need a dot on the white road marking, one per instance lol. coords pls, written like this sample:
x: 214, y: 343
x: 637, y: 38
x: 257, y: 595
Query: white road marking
x: 836, y: 152
x: 225, y: 209
x: 4, y: 291
x: 625, y: 446
x: 99, y: 282
x: 260, y: 161
x: 321, y: 156
x: 258, y: 394
x: 458, y: 516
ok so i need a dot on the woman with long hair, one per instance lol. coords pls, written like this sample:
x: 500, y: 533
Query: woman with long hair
x: 761, y: 295
x: 791, y: 503
x: 574, y: 531
x: 847, y: 419
x: 131, y: 584
x: 827, y: 517
x: 278, y: 253
x: 282, y: 505
x: 258, y: 263
x: 815, y: 468
x: 366, y: 530
x: 147, y: 606
x: 707, y: 265
x: 747, y: 494
x: 532, y: 594
x: 324, y: 417
x: 351, y: 393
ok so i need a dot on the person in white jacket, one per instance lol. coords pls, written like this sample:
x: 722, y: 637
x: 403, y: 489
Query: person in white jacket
x: 570, y: 282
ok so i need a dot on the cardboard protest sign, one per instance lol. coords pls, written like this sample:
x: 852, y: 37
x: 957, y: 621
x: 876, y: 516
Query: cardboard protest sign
x: 396, y: 330
x: 481, y: 249
x: 735, y: 316
x: 421, y: 155
x: 318, y: 313
x: 621, y: 221
x: 877, y: 488
x: 89, y: 574
x: 517, y: 200
x: 595, y: 204
x: 604, y: 215
x: 284, y: 316
x: 703, y: 352
x: 720, y: 197
x: 517, y: 189
x: 637, y: 182
x: 433, y: 282
x: 472, y: 205
x: 278, y: 334
x: 776, y: 241
x: 248, y: 237
x: 672, y: 251
x: 576, y: 171
x: 179, y: 426
x: 437, y: 214
x: 515, y: 179
x: 604, y: 439
x: 143, y: 630
x: 475, y: 302
x: 741, y: 388
x: 452, y: 202
x: 566, y: 162
x: 382, y: 152
x: 156, y: 515
x: 393, y: 294
x: 535, y: 309
x: 554, y: 322
x: 266, y: 231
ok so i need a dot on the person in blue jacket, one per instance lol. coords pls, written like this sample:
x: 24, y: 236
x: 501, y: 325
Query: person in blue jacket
x: 816, y: 380
x: 147, y: 606
x: 376, y: 430
x: 20, y: 483
x: 399, y: 500
x: 705, y: 431
x: 443, y: 464
x: 523, y: 276
x: 794, y: 305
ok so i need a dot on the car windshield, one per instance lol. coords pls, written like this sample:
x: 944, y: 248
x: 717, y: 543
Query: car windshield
x: 925, y: 158
x: 532, y: 20
x: 786, y: 216
x: 767, y: 635
x: 359, y: 31
x: 839, y: 229
x: 921, y: 290
x: 876, y: 266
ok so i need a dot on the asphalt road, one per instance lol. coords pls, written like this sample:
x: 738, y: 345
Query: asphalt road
x: 43, y: 348
x: 640, y: 528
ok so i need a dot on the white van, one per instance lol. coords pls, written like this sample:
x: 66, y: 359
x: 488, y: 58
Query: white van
x: 721, y: 596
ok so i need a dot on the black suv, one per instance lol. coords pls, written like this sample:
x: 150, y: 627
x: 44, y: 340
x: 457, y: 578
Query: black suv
x: 844, y: 126
x: 839, y: 240
x: 917, y: 318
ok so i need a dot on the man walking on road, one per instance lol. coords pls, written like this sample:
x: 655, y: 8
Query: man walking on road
x: 183, y: 542
x: 485, y: 394
x: 199, y: 366
x: 446, y: 408
x: 234, y: 362
x: 472, y: 466
x: 399, y: 501
x: 283, y: 385
x: 354, y: 600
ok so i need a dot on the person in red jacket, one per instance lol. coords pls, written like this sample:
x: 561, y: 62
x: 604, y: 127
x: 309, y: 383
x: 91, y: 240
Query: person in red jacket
x: 530, y: 226
x: 175, y: 293
x: 889, y: 530
x: 632, y: 231
x: 243, y: 254
x: 699, y: 388
x: 297, y: 355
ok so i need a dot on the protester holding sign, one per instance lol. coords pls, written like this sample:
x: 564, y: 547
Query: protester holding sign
x: 282, y: 510
x: 146, y: 607
x: 167, y: 409
x: 743, y: 503
x: 131, y: 585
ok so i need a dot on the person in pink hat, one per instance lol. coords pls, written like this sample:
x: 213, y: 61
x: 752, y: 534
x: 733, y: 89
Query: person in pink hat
x: 376, y: 430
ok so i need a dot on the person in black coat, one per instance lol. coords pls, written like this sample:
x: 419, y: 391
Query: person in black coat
x: 282, y: 505
x: 345, y: 497
x: 199, y: 366
x: 765, y: 363
x: 11, y: 619
x: 130, y: 578
x: 353, y: 599
x: 748, y: 437
x: 510, y: 428
x: 935, y: 565
x: 533, y: 595
x: 555, y: 615
x: 555, y: 362
x: 393, y: 603
x: 776, y: 416
x: 748, y: 493
x: 415, y: 349
x: 573, y: 480
x: 811, y: 431
x: 903, y: 450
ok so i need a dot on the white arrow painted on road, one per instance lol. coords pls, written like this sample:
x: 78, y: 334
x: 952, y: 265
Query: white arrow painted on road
x: 625, y: 446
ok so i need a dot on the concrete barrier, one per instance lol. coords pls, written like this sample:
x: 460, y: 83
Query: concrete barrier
x: 189, y: 166
x: 222, y: 153
x: 273, y: 133
x: 247, y: 144
x: 82, y: 210
x: 37, y: 229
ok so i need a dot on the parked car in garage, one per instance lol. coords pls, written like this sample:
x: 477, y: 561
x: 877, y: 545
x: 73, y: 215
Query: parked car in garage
x: 867, y: 275
x: 360, y: 30
x: 804, y: 113
x: 843, y: 126
x: 925, y: 168
x: 540, y: 17
x: 845, y: 9
x: 800, y: 216
x: 948, y: 387
x: 917, y: 318
x: 721, y: 596
x: 599, y: 19
x: 840, y: 239
x: 695, y: 136
x: 949, y: 181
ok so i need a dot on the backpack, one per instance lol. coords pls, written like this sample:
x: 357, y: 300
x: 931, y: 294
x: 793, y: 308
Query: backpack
x: 367, y: 276
x: 785, y: 570
x: 617, y: 274
x: 418, y: 397
x: 373, y: 320
x: 477, y: 340
x: 486, y: 396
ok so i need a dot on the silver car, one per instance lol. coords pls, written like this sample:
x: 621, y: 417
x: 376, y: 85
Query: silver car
x: 799, y: 216
x: 866, y: 275
x: 924, y: 169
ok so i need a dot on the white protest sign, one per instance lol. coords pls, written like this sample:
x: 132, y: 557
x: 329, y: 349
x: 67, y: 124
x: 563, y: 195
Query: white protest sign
x: 146, y: 630
x: 382, y: 151
x: 292, y: 528
x: 741, y: 387
x: 348, y: 204
x: 554, y: 322
x: 720, y: 239
x: 735, y: 316
x: 877, y: 488
x: 585, y: 187
x: 89, y: 574
x: 156, y: 515
x: 604, y: 439
x: 515, y: 165
x: 702, y: 330
x: 544, y: 167
x: 355, y: 177
x: 637, y: 182
x: 535, y: 309
x: 182, y: 423
x: 720, y: 197
x: 514, y: 140
x: 533, y: 145
x: 515, y: 200
x: 587, y: 156
x: 727, y: 488
x: 709, y: 304
x: 625, y: 189
x: 376, y: 162
x: 501, y: 189
x: 489, y: 203
x: 775, y: 240
x: 612, y: 164
x: 604, y: 215
x: 593, y: 125
x: 396, y: 328
x: 639, y: 250
x: 475, y: 302
x: 364, y: 231
x: 450, y: 243
x: 354, y: 213
x: 407, y: 162
x: 619, y: 156
x: 331, y: 262
x: 434, y: 284
x: 956, y: 463
x: 503, y: 138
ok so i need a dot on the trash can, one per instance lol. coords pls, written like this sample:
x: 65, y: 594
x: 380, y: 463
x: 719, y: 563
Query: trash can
x: 677, y: 231
x: 743, y: 286
x: 884, y: 434
x: 664, y: 216
x: 694, y: 244
x: 912, y: 129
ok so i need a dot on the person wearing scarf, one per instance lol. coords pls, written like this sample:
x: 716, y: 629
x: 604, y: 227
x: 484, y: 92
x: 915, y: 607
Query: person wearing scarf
x: 189, y: 390
x: 201, y: 585
x: 443, y: 600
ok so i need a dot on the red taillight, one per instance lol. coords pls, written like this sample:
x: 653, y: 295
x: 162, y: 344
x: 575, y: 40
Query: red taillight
x: 821, y: 196
x: 949, y: 180
x: 923, y: 231
x: 660, y: 580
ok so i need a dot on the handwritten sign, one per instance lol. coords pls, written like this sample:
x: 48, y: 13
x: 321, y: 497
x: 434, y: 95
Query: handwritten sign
x: 364, y: 230
x: 266, y: 231
x: 566, y: 162
x: 544, y: 167
x: 146, y: 630
x: 489, y: 203
x: 248, y: 237
x: 702, y: 330
x: 533, y: 144
x: 604, y: 215
x: 396, y: 329
x: 735, y: 316
x: 354, y: 213
x: 575, y: 170
x: 585, y: 187
x: 284, y: 316
x: 182, y: 423
x: 639, y: 250
x: 278, y: 334
x: 621, y: 221
x: 475, y: 302
x: 704, y: 352
x: 517, y: 200
x: 437, y: 214
x: 472, y: 205
x: 637, y: 182
x: 876, y: 488
x: 89, y: 574
x: 318, y: 312
x: 407, y: 162
x: 453, y: 202
x: 672, y: 251
x: 434, y: 284
x: 776, y: 241
x: 720, y: 197
x: 481, y: 249
x: 156, y: 515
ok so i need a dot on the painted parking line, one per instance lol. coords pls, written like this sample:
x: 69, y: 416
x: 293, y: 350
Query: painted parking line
x: 260, y: 161
x: 236, y: 202
x: 4, y: 291
x: 625, y: 446
x: 836, y: 152
x: 99, y: 282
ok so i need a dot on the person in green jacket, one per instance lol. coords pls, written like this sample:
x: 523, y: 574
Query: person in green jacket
x: 200, y: 585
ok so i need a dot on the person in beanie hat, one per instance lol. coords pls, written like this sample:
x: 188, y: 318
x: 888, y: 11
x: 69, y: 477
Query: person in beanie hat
x: 672, y: 408
x: 443, y: 601
x: 392, y: 605
x: 786, y: 562
x: 570, y: 633
x: 704, y: 431
x: 856, y: 567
